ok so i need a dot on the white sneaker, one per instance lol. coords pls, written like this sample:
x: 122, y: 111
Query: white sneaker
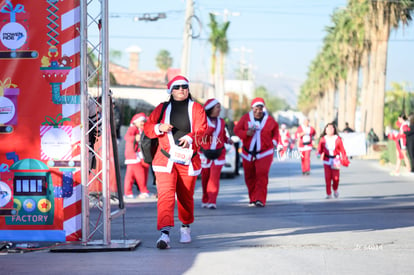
x: 328, y: 197
x: 163, y: 241
x: 185, y: 235
x: 144, y: 195
x: 212, y: 206
x: 204, y: 205
x: 259, y: 204
x: 336, y: 194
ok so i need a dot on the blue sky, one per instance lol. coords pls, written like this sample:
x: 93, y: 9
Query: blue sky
x: 279, y: 38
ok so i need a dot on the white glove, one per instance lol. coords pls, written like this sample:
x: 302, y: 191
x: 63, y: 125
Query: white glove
x: 279, y: 147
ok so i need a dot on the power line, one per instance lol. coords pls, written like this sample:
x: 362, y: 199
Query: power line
x: 299, y: 8
x: 270, y: 12
x: 261, y: 39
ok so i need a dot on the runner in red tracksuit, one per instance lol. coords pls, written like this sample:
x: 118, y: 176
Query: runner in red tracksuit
x: 137, y: 169
x: 260, y: 134
x: 212, y: 153
x: 285, y: 140
x: 176, y: 163
x: 400, y: 139
x: 333, y: 154
x: 304, y: 135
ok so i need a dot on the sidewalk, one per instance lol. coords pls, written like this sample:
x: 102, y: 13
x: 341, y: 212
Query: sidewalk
x: 368, y: 230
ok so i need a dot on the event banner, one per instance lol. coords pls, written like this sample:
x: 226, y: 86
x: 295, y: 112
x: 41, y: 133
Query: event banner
x: 355, y: 143
x: 40, y: 192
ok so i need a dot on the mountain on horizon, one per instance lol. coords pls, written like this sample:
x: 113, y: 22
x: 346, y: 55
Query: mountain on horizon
x: 281, y: 86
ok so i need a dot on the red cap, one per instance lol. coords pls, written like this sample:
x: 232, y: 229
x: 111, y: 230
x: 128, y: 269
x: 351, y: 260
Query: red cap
x: 178, y: 80
x: 257, y: 101
x: 210, y: 103
x: 138, y: 117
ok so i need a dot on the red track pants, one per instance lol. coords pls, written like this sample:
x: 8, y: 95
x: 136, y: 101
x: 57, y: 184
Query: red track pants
x: 138, y: 173
x: 210, y: 182
x: 305, y: 160
x: 256, y: 176
x: 168, y: 184
x: 331, y: 176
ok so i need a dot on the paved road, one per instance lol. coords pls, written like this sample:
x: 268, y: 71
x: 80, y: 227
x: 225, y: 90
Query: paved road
x: 368, y: 230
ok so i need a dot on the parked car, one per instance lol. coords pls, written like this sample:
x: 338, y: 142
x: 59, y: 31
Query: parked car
x: 233, y: 161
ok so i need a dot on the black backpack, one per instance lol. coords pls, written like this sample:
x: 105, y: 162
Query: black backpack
x: 148, y: 145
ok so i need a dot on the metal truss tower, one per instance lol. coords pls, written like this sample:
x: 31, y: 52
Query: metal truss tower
x: 96, y: 206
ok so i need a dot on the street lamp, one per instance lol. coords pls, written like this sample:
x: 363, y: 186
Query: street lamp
x: 226, y: 13
x: 150, y: 17
x: 140, y: 17
x: 243, y: 62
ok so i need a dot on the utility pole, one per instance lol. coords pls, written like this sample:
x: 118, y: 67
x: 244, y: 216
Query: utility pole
x: 185, y: 56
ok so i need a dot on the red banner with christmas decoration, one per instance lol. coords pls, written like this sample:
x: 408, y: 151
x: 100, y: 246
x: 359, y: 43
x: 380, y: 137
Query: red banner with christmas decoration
x: 40, y: 191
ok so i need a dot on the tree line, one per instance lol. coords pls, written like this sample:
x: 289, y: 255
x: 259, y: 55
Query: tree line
x: 351, y: 65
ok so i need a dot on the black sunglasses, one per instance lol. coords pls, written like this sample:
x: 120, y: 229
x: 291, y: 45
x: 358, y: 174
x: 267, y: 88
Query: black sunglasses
x: 176, y: 87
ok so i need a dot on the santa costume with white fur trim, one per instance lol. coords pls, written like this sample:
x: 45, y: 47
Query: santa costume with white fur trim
x: 176, y: 179
x: 213, y: 140
x: 137, y: 169
x: 258, y: 149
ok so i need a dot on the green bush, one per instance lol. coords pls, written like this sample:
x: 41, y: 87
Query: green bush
x: 390, y: 155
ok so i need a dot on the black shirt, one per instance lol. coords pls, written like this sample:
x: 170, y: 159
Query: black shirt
x: 180, y: 119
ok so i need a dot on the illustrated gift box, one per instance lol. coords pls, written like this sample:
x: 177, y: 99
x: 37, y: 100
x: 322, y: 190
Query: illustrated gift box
x: 13, y: 22
x: 8, y: 102
x: 56, y: 139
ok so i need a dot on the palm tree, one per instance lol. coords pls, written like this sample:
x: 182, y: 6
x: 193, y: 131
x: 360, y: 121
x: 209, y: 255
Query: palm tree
x: 334, y: 38
x: 397, y: 101
x: 355, y: 47
x: 223, y: 48
x: 164, y: 60
x: 366, y: 97
x: 218, y: 40
x: 358, y: 42
x: 327, y: 72
x: 311, y: 95
x: 383, y: 16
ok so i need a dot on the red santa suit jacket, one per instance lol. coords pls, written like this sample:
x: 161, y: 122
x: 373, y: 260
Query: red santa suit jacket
x: 330, y: 150
x: 266, y: 137
x: 305, y: 142
x: 285, y: 137
x: 198, y: 121
x: 132, y: 152
x: 214, y: 138
x: 402, y: 138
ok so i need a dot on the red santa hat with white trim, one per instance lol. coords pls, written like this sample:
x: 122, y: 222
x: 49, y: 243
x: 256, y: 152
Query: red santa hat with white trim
x: 258, y: 101
x: 137, y: 118
x: 178, y: 80
x: 210, y: 103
